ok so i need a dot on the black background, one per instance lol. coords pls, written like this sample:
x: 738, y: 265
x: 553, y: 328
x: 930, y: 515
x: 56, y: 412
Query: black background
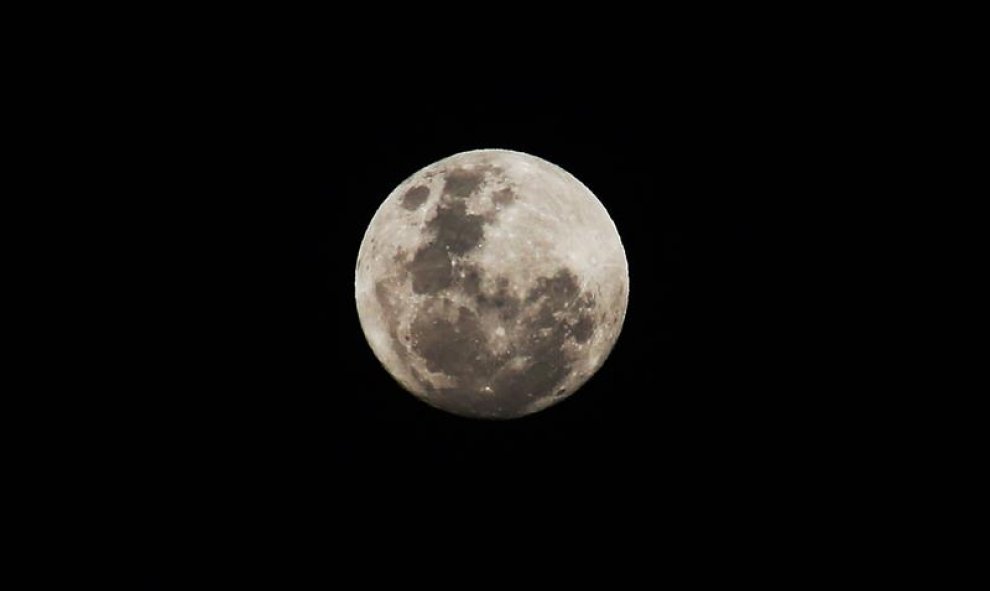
x: 249, y: 402
x: 274, y: 352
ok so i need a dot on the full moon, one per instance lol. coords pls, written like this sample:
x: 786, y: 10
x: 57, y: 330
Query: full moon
x: 491, y: 284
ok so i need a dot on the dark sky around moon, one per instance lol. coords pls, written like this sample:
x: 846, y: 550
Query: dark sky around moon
x: 687, y: 182
x: 248, y: 370
x: 271, y: 353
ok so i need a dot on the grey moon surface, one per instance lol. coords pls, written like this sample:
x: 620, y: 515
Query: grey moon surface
x: 491, y: 284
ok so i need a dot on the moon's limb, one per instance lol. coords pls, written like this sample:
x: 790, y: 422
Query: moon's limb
x: 491, y: 284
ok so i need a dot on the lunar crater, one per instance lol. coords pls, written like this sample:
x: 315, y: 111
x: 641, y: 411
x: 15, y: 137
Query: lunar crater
x: 415, y: 197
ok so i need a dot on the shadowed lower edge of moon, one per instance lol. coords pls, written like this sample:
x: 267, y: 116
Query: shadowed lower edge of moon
x: 543, y: 330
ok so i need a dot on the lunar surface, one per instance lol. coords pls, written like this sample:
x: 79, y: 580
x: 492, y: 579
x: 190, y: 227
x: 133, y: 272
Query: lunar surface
x: 491, y: 284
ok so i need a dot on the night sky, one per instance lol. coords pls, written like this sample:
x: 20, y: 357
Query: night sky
x: 249, y: 399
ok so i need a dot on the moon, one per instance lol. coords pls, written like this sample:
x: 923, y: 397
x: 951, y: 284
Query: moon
x: 491, y: 284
